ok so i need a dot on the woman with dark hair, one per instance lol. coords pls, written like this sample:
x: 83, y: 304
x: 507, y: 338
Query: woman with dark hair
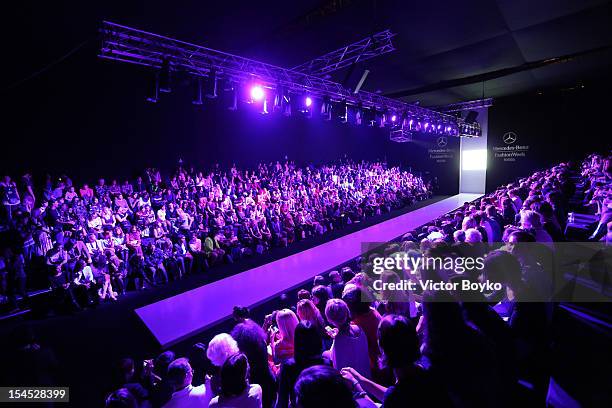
x: 320, y: 296
x: 461, y: 357
x: 399, y: 345
x: 323, y: 387
x: 251, y: 340
x: 236, y: 391
x: 308, y: 352
x: 122, y: 398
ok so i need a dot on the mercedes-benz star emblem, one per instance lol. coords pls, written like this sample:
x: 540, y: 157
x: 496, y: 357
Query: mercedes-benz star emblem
x: 509, y: 138
x: 442, y: 141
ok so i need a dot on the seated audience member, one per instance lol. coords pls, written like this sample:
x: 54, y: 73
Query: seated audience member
x: 185, y: 395
x: 413, y: 385
x: 236, y: 390
x: 126, y: 379
x: 460, y: 357
x: 367, y: 319
x: 308, y: 352
x: 320, y: 296
x: 350, y: 345
x: 220, y: 348
x: 323, y: 387
x: 155, y: 378
x: 336, y: 284
x: 282, y: 340
x: 251, y: 339
x: 308, y: 312
x: 532, y: 222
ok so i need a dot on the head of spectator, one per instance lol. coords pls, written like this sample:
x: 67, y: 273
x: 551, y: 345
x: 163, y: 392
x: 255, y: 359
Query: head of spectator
x: 286, y: 322
x: 220, y: 348
x: 459, y: 236
x: 358, y: 300
x: 347, y: 274
x: 323, y: 387
x: 318, y: 280
x: 530, y: 220
x: 251, y: 340
x: 398, y: 342
x: 121, y: 398
x: 240, y: 313
x: 469, y: 222
x: 303, y: 294
x: 161, y: 363
x: 502, y: 267
x: 234, y: 375
x: 473, y: 236
x: 320, y: 296
x: 180, y: 374
x: 338, y: 314
x: 307, y: 311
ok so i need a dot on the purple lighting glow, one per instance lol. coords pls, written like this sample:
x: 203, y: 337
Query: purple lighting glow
x: 257, y: 93
x: 393, y: 118
x: 308, y: 101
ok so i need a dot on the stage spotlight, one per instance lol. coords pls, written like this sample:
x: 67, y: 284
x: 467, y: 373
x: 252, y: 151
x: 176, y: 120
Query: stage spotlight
x: 326, y: 108
x: 305, y: 106
x: 257, y: 93
x: 231, y: 88
x: 370, y: 116
x: 264, y: 107
x: 155, y: 92
x: 164, y: 77
x: 393, y: 118
x: 343, y: 112
x: 286, y: 104
x: 197, y: 92
x: 359, y: 114
x: 210, y: 85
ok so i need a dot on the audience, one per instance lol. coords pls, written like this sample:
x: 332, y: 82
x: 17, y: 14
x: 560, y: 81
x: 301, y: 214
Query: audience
x: 339, y: 344
x: 155, y: 229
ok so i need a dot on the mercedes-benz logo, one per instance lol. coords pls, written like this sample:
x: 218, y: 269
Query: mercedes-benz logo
x: 442, y: 141
x: 509, y: 137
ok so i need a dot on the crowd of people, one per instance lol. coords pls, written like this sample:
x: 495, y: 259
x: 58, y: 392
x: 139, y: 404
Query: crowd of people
x: 338, y: 345
x: 93, y: 243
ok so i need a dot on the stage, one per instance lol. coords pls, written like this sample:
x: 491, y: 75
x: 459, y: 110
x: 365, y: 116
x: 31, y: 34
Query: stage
x: 179, y: 317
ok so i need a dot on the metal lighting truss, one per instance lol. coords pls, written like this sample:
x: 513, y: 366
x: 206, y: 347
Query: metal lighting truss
x: 370, y: 47
x: 121, y: 43
x: 463, y: 106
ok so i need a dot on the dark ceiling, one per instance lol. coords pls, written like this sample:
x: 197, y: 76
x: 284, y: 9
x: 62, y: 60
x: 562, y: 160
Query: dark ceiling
x: 436, y: 40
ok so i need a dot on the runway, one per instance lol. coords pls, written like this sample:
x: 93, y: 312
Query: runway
x: 179, y: 317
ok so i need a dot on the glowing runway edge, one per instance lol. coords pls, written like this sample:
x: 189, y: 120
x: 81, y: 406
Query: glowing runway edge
x: 179, y: 317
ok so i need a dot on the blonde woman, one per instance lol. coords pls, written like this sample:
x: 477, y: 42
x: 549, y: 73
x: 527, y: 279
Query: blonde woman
x: 282, y: 341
